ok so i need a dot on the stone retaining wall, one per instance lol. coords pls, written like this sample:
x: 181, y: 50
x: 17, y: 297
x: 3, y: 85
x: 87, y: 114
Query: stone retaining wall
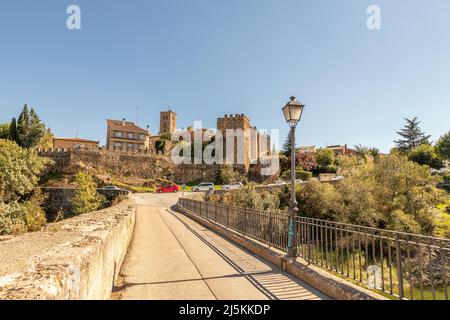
x: 78, y: 258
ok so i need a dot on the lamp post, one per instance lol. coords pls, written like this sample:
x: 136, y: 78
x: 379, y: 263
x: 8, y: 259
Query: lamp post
x: 292, y: 112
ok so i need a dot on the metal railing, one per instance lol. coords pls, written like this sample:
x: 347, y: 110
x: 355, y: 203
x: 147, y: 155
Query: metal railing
x: 395, y: 264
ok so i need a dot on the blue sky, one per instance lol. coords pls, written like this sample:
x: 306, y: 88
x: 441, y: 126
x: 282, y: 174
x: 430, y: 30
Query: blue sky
x: 206, y: 58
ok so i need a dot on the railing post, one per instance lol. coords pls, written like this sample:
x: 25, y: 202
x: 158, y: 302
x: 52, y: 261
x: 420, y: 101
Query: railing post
x: 228, y: 213
x: 215, y: 212
x: 308, y: 235
x: 401, y: 292
x: 245, y: 221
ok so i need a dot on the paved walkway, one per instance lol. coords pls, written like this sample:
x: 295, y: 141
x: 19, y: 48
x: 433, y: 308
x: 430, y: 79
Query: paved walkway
x: 174, y: 258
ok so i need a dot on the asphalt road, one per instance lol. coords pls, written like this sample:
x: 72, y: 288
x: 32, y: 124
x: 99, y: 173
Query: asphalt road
x: 172, y: 257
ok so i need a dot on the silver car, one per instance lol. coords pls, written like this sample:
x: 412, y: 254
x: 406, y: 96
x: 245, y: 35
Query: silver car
x: 232, y: 186
x: 204, y: 186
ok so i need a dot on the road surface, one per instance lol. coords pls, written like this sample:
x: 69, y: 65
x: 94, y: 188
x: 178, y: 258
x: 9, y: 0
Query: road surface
x: 172, y: 257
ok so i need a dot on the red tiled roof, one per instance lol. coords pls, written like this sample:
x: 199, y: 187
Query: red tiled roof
x: 129, y: 126
x: 76, y: 140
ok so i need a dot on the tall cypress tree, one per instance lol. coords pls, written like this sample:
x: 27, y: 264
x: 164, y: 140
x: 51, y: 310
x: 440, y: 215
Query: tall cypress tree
x: 286, y: 150
x: 412, y: 136
x: 13, y: 130
x: 37, y: 129
x: 30, y: 129
x: 22, y: 131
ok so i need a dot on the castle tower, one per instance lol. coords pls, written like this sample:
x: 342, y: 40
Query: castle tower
x: 167, y: 122
x: 235, y: 122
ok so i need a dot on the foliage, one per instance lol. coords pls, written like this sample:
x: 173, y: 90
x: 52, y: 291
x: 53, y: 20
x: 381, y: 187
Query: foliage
x: 317, y: 200
x: 391, y: 193
x: 30, y: 129
x: 4, y: 131
x: 19, y: 217
x: 19, y: 171
x: 361, y: 150
x: 305, y: 160
x: 411, y: 136
x: 425, y: 155
x: 287, y: 146
x: 374, y: 152
x: 325, y: 157
x: 228, y: 175
x: 249, y: 197
x: 13, y: 130
x: 86, y: 198
x: 47, y: 140
x: 159, y: 145
x: 285, y: 164
x: 299, y: 174
x: 443, y: 146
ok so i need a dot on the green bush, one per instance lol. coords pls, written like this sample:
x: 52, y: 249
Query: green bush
x: 86, y: 198
x: 299, y: 174
x: 19, y: 170
x: 327, y: 169
x: 12, y: 218
x: 16, y: 218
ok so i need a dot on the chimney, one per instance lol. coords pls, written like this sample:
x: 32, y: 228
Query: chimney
x: 148, y: 129
x: 123, y: 122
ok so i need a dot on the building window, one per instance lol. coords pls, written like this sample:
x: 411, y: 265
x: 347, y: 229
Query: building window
x: 118, y: 134
x: 117, y: 146
x: 141, y: 137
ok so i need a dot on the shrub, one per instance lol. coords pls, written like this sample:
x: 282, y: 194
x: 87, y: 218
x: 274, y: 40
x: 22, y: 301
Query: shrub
x: 12, y: 219
x: 320, y: 201
x: 306, y: 160
x: 426, y: 155
x: 19, y: 170
x: 86, y: 198
x: 325, y: 157
x: 34, y: 214
x: 229, y: 175
x: 299, y: 174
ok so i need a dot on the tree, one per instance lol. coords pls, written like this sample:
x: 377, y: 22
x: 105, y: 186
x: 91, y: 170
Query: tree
x: 13, y: 130
x: 227, y: 174
x: 374, y: 152
x: 4, y: 131
x: 325, y: 157
x: 426, y: 155
x: 30, y: 129
x: 19, y: 171
x: 287, y: 146
x: 47, y: 140
x: 306, y: 161
x: 361, y: 150
x: 86, y: 198
x: 411, y: 136
x: 443, y: 146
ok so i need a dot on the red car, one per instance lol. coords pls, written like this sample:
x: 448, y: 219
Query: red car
x: 170, y: 188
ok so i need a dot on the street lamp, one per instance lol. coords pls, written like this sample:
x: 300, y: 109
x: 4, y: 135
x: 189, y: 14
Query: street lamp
x: 292, y: 112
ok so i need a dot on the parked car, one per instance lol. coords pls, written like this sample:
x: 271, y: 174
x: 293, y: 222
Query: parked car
x: 204, y: 186
x: 277, y: 183
x: 168, y: 188
x: 232, y: 186
x: 111, y: 188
